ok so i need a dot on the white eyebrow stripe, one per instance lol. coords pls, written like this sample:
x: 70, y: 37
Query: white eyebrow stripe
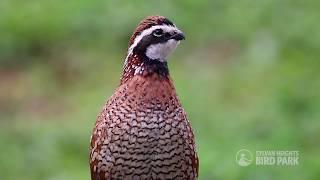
x: 145, y: 32
x: 166, y: 28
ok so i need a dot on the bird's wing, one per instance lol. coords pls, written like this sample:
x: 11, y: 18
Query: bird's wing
x: 95, y: 149
x: 191, y: 143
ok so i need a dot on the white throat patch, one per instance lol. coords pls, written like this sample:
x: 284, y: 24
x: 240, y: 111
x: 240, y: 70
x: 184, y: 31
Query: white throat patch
x: 161, y: 51
x: 166, y: 28
x: 148, y: 31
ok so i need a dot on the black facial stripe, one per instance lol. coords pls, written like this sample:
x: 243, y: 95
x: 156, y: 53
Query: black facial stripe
x: 163, y: 22
x: 148, y: 40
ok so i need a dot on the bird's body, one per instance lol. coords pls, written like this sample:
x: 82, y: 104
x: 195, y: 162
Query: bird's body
x: 142, y: 131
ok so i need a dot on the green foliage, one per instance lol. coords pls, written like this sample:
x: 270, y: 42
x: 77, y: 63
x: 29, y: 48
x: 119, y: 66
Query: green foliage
x: 248, y: 76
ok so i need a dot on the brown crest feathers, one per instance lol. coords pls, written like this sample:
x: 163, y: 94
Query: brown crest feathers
x: 148, y: 22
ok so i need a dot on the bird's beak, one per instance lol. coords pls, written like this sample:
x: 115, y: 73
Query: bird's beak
x: 178, y: 35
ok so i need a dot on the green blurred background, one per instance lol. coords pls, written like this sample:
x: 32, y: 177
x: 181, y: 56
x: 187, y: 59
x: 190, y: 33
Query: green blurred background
x: 248, y: 76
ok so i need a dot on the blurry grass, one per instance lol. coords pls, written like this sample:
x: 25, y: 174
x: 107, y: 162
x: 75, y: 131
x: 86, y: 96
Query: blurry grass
x: 248, y: 76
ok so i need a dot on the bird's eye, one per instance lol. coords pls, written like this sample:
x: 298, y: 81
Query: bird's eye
x: 158, y: 32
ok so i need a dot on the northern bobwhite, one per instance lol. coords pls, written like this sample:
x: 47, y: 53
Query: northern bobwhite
x: 142, y: 131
